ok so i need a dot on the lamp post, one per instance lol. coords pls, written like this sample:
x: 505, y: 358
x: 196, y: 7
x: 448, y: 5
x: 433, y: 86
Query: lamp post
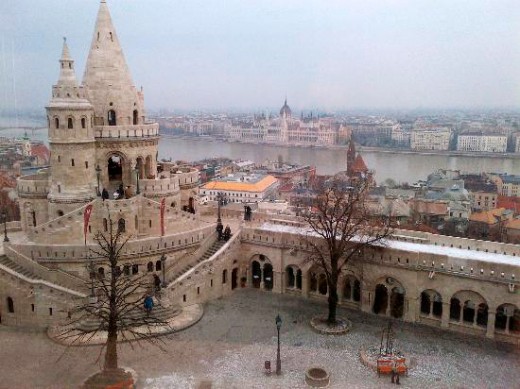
x: 163, y: 268
x: 4, y: 217
x: 278, y: 322
x: 98, y: 172
x: 137, y: 191
x: 220, y: 227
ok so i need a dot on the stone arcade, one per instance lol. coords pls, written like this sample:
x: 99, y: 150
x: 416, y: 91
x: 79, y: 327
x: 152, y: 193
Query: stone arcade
x: 100, y: 139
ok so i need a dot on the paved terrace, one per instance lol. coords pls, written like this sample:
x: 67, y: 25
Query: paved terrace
x: 229, y: 345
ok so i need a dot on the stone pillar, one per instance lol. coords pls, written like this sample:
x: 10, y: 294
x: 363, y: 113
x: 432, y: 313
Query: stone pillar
x: 305, y: 285
x: 508, y: 319
x: 410, y: 309
x: 445, y: 319
x: 366, y: 300
x: 262, y: 283
x: 490, y: 330
x: 430, y: 314
x: 278, y: 278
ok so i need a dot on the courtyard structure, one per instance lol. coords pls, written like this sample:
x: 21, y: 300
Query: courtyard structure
x: 230, y: 344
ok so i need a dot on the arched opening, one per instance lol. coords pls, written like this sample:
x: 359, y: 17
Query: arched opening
x: 149, y: 267
x: 105, y: 224
x: 10, y: 305
x: 508, y: 318
x: 224, y: 276
x: 290, y: 278
x: 313, y: 282
x: 381, y: 299
x: 70, y: 123
x: 148, y: 168
x: 115, y: 168
x: 299, y: 279
x: 126, y: 270
x: 139, y: 164
x: 121, y: 225
x: 234, y: 278
x: 455, y: 309
x: 468, y: 311
x: 268, y: 276
x: 425, y: 303
x: 437, y: 305
x: 101, y: 273
x: 33, y: 214
x: 397, y: 302
x: 352, y: 289
x: 323, y: 287
x: 56, y: 123
x: 482, y: 315
x: 256, y: 274
x: 158, y: 266
x: 135, y: 117
x: 136, y: 223
x: 83, y: 123
x: 111, y: 117
x: 191, y: 206
x: 135, y: 269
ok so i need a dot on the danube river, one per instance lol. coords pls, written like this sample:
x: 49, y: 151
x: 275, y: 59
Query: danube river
x: 401, y: 167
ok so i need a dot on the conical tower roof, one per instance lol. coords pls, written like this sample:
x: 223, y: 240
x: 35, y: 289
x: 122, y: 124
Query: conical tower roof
x: 67, y: 76
x: 107, y: 77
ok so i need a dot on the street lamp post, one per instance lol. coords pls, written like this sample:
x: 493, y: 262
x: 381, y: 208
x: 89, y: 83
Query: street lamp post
x: 98, y: 172
x: 137, y: 191
x: 220, y: 227
x: 4, y: 217
x: 278, y: 322
x: 163, y: 268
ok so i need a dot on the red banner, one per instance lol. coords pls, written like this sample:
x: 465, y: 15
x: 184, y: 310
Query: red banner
x: 86, y: 219
x: 163, y: 204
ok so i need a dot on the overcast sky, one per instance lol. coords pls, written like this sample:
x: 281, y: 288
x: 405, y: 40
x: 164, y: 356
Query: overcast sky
x: 247, y: 54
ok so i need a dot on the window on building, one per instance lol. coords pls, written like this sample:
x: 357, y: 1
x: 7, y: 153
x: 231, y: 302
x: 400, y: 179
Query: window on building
x: 72, y: 161
x: 70, y: 123
x: 83, y: 123
x: 10, y: 305
x: 56, y: 123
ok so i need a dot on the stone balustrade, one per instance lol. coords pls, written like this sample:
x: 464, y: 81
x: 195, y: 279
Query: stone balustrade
x: 127, y: 131
x: 33, y: 186
x: 159, y: 187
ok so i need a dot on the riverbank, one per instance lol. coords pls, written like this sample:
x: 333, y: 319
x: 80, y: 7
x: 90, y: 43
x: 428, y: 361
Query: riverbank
x: 365, y: 149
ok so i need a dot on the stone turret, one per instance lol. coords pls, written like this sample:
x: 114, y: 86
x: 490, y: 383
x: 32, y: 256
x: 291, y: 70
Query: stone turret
x: 71, y: 141
x: 107, y: 78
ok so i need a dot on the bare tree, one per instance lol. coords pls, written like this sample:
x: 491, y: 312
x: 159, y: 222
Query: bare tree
x: 117, y: 307
x: 341, y: 227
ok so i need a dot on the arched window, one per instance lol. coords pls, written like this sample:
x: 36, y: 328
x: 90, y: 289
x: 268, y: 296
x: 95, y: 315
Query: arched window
x: 101, y: 272
x: 56, y: 123
x: 10, y: 305
x: 136, y: 222
x: 111, y: 117
x: 224, y: 276
x: 126, y: 270
x: 70, y: 123
x: 455, y: 309
x: 121, y: 225
x: 83, y: 123
x: 136, y: 117
x: 299, y: 279
x: 149, y: 267
x: 158, y: 265
x: 135, y: 269
x: 290, y: 277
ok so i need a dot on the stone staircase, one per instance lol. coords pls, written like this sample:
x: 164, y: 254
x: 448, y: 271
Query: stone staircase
x: 209, y: 252
x: 158, y: 314
x: 4, y: 260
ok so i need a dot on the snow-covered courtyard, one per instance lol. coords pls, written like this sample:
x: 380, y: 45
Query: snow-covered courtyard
x: 228, y: 348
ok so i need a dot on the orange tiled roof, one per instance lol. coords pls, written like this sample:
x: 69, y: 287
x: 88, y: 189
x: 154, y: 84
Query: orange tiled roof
x: 489, y: 217
x: 241, y: 186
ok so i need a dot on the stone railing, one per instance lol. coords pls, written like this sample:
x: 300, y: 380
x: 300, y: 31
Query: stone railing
x: 188, y: 180
x: 190, y: 258
x: 34, y: 186
x: 54, y: 276
x: 160, y: 187
x: 127, y: 131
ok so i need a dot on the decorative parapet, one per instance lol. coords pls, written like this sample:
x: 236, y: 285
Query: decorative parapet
x: 160, y: 187
x: 35, y: 186
x: 127, y: 132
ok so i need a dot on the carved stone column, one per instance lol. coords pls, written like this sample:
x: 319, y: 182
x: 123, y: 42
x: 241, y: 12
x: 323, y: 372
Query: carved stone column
x: 445, y: 318
x: 490, y: 331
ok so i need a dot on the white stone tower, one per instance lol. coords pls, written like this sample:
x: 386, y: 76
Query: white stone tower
x: 71, y: 141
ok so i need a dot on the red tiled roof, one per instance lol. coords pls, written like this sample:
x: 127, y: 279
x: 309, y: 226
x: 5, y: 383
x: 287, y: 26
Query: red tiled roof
x: 41, y: 151
x: 359, y: 165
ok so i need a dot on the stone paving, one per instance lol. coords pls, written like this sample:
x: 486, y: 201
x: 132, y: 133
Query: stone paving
x: 229, y: 345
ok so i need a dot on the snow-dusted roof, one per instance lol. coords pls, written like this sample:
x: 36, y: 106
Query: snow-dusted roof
x: 425, y: 248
